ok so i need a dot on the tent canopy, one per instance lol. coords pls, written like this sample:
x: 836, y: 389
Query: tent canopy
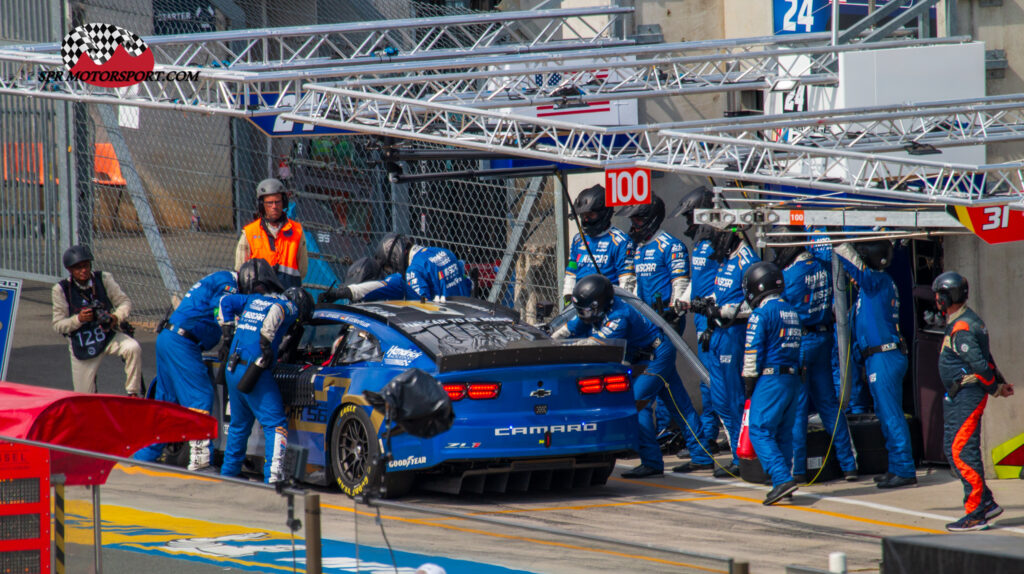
x: 105, y: 424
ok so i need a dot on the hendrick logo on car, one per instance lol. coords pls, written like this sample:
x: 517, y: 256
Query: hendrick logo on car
x: 407, y: 461
x: 544, y: 429
x: 401, y: 357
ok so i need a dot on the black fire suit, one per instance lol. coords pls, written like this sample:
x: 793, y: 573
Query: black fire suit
x: 969, y: 375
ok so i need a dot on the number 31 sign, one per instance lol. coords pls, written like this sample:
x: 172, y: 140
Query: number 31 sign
x: 628, y: 186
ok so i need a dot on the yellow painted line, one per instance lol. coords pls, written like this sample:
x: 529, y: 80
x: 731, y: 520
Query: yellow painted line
x: 800, y: 508
x: 525, y: 539
x: 590, y: 506
x: 169, y: 474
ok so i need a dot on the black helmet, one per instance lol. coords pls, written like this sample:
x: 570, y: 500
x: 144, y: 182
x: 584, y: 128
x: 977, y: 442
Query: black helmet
x: 592, y: 297
x: 393, y: 253
x: 256, y: 273
x: 591, y: 201
x: 75, y: 255
x: 699, y: 198
x: 303, y: 301
x: 724, y: 243
x: 785, y: 256
x: 876, y: 254
x: 364, y: 269
x: 650, y: 215
x: 760, y: 280
x: 950, y: 288
x: 270, y: 186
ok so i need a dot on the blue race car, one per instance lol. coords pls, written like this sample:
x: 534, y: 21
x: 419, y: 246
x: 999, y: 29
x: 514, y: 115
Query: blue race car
x: 530, y: 412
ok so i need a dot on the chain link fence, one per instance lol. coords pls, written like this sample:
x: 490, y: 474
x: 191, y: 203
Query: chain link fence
x: 162, y: 195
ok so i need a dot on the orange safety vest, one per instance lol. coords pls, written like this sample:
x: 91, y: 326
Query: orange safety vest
x: 282, y: 252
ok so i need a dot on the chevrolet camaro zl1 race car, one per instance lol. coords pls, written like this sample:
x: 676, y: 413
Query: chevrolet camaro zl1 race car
x: 530, y: 412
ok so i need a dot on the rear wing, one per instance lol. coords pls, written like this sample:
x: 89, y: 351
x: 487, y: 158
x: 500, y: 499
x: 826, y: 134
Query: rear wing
x: 532, y: 353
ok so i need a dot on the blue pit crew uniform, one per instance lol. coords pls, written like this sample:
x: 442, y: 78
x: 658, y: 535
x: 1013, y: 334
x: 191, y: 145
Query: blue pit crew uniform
x: 435, y: 272
x: 809, y: 292
x: 727, y: 342
x: 269, y: 317
x: 859, y: 397
x: 181, y: 375
x: 659, y: 379
x: 662, y: 267
x: 613, y: 251
x: 966, y: 362
x: 878, y: 343
x: 702, y: 284
x: 772, y: 353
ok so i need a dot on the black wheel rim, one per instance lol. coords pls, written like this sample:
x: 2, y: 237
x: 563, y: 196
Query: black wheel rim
x: 353, y: 448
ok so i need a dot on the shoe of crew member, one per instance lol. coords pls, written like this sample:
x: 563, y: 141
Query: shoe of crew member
x: 884, y: 477
x: 851, y: 475
x: 642, y: 471
x: 779, y: 492
x: 800, y: 478
x: 992, y: 510
x: 693, y: 466
x: 733, y: 471
x: 967, y: 524
x: 898, y: 481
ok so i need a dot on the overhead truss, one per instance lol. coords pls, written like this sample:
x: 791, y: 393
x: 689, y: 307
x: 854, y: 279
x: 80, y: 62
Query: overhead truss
x: 654, y: 146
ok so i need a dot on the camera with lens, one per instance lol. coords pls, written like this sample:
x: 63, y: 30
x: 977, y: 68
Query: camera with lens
x: 102, y: 316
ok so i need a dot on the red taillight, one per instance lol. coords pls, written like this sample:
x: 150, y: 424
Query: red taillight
x: 589, y: 386
x: 484, y: 390
x: 456, y: 391
x: 616, y: 383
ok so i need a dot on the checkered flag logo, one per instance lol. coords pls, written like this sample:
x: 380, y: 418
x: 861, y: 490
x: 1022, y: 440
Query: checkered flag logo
x: 99, y: 41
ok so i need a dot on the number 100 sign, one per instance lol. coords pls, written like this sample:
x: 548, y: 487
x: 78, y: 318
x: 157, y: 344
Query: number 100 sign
x: 627, y: 186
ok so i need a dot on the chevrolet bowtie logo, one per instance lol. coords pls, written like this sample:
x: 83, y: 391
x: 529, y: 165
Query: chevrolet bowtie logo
x: 541, y: 393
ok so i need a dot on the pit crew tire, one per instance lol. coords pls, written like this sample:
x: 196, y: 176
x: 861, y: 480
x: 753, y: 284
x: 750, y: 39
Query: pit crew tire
x: 354, y: 447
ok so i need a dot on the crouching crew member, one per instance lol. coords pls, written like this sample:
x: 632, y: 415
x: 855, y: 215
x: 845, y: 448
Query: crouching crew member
x: 430, y: 273
x: 880, y: 346
x: 181, y: 375
x: 263, y: 318
x: 600, y: 315
x: 970, y: 375
x: 771, y: 379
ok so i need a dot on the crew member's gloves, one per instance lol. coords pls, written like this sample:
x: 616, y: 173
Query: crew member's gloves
x: 566, y: 300
x: 333, y: 294
x: 227, y: 332
x: 266, y: 352
x: 705, y: 306
x: 680, y: 306
x: 748, y: 386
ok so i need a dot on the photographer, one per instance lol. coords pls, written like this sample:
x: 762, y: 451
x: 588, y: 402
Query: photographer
x: 91, y: 310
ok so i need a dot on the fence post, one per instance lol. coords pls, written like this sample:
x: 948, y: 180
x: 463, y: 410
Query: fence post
x: 58, y: 519
x: 97, y: 538
x: 313, y: 551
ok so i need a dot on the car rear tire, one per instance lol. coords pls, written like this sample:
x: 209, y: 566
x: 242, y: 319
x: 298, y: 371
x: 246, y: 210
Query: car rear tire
x: 354, y: 448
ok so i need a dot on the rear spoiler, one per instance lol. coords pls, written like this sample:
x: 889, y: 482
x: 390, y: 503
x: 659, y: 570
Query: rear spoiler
x: 525, y: 354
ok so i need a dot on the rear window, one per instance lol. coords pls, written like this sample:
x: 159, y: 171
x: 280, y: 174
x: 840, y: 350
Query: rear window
x: 447, y: 336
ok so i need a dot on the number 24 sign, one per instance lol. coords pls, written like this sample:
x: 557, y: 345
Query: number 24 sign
x: 800, y: 16
x: 627, y: 186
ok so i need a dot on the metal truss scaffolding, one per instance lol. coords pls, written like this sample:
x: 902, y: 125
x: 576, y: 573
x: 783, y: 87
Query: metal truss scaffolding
x: 451, y: 81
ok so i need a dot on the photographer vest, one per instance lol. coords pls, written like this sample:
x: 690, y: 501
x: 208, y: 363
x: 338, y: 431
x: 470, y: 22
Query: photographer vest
x: 89, y: 340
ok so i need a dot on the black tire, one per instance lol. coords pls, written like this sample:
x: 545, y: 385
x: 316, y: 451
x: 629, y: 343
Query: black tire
x: 354, y: 448
x: 177, y: 453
